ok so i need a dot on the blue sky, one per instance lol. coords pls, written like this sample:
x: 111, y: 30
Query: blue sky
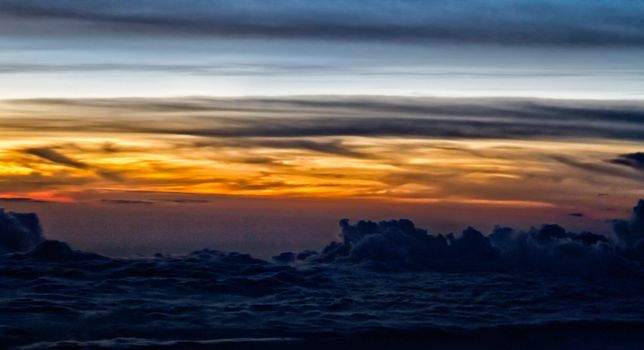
x: 553, y: 49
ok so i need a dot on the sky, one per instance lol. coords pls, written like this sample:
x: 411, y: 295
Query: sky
x: 142, y: 126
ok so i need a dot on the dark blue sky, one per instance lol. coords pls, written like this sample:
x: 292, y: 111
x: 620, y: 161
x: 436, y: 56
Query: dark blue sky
x: 499, y: 22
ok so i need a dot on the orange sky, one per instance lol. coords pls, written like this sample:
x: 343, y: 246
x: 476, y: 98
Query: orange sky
x: 61, y: 151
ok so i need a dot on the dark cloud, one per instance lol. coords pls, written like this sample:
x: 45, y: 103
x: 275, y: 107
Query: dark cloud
x: 504, y: 22
x: 19, y: 232
x: 341, y: 116
x: 577, y: 215
x: 631, y: 232
x: 59, y: 158
x: 126, y: 201
x: 633, y: 160
x: 55, y: 157
x: 188, y: 201
x: 399, y: 244
x: 21, y: 200
x: 599, y: 168
x: 330, y: 147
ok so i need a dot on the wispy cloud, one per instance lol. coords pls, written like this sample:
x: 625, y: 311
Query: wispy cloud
x: 126, y: 201
x: 54, y: 156
x: 633, y: 160
x: 387, y: 148
x: 21, y: 200
x: 327, y: 117
x: 504, y: 22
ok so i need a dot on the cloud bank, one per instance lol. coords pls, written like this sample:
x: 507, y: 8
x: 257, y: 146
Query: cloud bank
x: 343, y: 116
x: 19, y: 232
x: 399, y: 245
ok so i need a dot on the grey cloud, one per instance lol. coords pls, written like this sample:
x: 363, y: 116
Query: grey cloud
x: 330, y: 147
x: 59, y: 158
x: 309, y: 117
x: 505, y: 22
x: 600, y: 168
x: 55, y: 157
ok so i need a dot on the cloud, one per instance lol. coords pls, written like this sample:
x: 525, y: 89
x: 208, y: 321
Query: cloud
x: 396, y: 245
x: 399, y: 244
x: 458, y: 118
x: 126, y: 201
x: 59, y: 158
x: 503, y: 22
x: 187, y: 201
x: 19, y: 232
x: 336, y: 147
x: 388, y: 148
x: 633, y: 160
x: 55, y: 157
x: 21, y: 200
x: 599, y: 168
x: 631, y: 232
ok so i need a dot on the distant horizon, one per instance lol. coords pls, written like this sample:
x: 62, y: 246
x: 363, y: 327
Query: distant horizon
x: 206, y: 116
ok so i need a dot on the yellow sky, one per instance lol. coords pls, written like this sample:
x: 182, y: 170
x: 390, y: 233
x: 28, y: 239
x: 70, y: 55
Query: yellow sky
x: 58, y: 152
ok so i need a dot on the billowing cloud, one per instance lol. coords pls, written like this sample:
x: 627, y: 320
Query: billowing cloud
x: 631, y: 231
x: 399, y: 244
x: 507, y: 22
x: 19, y: 232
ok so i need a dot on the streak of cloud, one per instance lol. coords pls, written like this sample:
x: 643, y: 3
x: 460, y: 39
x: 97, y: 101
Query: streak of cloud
x: 505, y: 22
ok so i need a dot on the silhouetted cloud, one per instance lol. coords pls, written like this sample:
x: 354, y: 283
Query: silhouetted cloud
x: 504, y: 22
x: 633, y: 160
x: 21, y: 200
x: 19, y: 232
x: 55, y: 157
x: 187, y: 201
x: 126, y: 201
x: 399, y: 244
x: 577, y: 215
x: 631, y: 232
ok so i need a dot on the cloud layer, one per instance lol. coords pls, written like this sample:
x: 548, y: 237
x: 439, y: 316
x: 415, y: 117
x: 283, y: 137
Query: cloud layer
x: 507, y: 22
x: 344, y: 116
x: 513, y: 152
